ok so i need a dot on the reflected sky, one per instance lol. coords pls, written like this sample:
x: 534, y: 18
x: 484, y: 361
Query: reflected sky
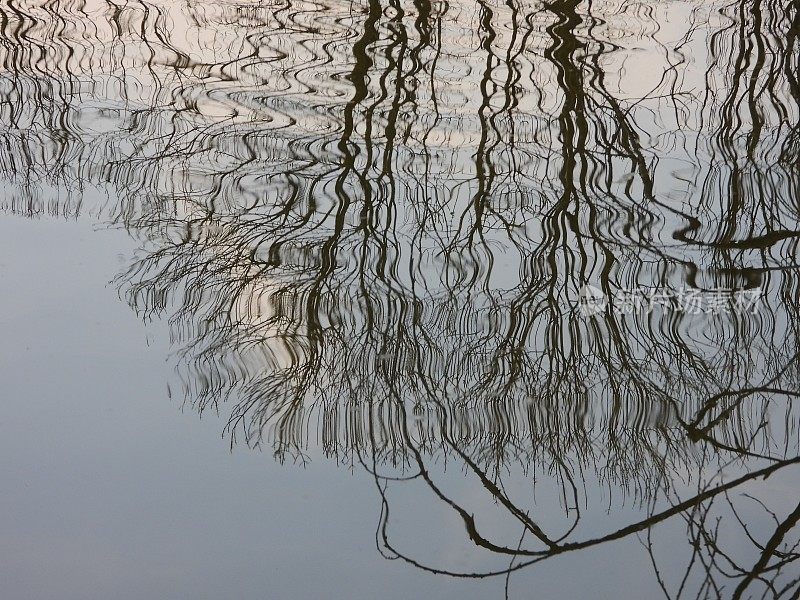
x: 464, y: 277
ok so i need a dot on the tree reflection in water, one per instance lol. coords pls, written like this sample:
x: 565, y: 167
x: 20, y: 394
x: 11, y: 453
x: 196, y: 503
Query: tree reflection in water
x: 370, y: 227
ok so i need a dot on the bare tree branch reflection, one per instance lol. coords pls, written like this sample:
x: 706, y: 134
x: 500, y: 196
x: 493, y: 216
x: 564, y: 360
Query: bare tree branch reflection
x: 371, y: 228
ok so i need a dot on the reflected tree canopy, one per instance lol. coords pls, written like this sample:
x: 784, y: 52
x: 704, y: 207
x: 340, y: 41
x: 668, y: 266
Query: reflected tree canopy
x: 372, y: 227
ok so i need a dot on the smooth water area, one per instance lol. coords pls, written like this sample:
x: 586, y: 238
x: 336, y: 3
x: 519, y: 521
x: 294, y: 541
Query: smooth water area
x: 392, y: 299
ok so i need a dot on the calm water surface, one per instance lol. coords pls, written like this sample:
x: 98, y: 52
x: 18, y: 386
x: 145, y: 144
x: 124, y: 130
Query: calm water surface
x: 388, y: 299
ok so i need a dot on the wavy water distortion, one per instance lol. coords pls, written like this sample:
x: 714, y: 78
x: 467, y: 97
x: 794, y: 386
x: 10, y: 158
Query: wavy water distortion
x: 371, y: 226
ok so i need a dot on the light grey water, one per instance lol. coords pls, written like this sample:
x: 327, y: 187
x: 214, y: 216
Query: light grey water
x: 399, y: 300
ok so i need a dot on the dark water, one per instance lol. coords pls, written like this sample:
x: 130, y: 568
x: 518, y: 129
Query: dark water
x: 391, y: 299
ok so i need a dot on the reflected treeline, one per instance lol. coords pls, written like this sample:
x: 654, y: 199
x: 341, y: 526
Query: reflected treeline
x: 372, y: 227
